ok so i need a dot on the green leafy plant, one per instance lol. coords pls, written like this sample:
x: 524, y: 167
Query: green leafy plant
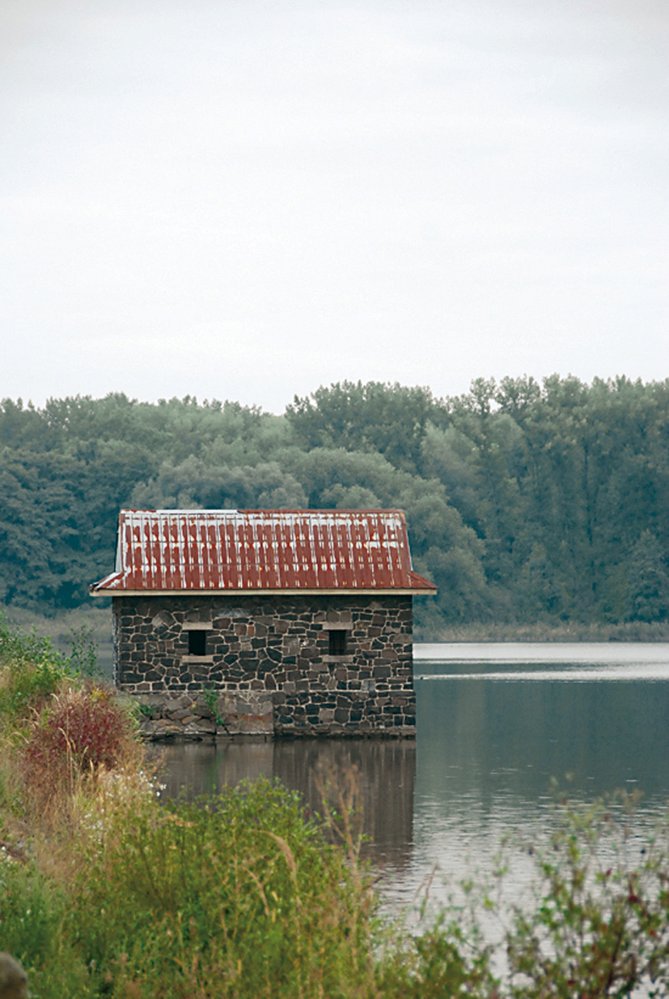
x: 600, y: 922
x: 33, y: 928
x: 210, y: 698
x: 31, y: 670
x: 83, y: 653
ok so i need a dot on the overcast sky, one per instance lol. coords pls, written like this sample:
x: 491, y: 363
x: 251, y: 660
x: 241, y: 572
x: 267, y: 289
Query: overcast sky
x: 243, y: 199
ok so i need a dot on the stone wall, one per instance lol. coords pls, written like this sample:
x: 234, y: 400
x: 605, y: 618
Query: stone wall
x: 268, y: 664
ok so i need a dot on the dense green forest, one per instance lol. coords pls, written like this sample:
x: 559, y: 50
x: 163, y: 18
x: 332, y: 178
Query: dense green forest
x: 526, y: 501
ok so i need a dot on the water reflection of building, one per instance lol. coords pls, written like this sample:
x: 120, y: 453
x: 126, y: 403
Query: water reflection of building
x: 384, y: 772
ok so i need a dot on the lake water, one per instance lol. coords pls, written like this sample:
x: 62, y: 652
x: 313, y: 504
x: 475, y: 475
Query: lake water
x: 495, y: 725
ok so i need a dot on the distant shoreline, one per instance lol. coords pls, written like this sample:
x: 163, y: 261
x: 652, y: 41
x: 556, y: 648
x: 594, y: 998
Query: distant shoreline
x: 98, y: 619
x: 569, y: 631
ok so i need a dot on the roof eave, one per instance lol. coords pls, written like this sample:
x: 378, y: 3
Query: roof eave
x: 96, y: 591
x: 421, y: 583
x: 103, y: 586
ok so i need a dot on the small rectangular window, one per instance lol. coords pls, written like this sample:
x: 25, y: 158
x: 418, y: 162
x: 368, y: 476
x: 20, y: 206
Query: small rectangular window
x: 197, y: 643
x: 337, y: 642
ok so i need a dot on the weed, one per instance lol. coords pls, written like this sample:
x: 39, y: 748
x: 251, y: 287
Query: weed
x: 210, y: 698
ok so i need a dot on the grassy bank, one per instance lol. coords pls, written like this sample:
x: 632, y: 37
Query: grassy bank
x: 107, y: 891
x: 91, y: 624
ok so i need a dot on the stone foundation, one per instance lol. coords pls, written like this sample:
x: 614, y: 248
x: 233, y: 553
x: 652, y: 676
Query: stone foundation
x: 268, y: 666
x: 200, y: 716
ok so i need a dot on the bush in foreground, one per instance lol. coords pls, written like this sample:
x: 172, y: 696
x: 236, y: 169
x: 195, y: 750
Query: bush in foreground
x: 245, y: 896
x: 237, y: 896
x: 108, y: 892
x: 79, y: 731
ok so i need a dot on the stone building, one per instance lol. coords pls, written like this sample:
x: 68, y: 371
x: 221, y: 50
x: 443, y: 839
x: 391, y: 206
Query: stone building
x: 265, y: 621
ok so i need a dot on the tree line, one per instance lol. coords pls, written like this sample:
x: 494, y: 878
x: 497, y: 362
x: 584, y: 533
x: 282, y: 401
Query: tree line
x: 526, y: 501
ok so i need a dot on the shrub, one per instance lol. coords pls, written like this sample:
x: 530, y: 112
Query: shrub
x: 80, y: 730
x: 595, y: 924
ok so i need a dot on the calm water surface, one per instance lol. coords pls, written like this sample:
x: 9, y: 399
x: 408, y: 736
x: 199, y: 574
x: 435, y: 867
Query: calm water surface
x: 495, y: 725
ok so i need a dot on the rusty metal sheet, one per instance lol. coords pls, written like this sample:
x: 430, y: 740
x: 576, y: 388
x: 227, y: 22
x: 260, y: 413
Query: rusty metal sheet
x: 262, y: 550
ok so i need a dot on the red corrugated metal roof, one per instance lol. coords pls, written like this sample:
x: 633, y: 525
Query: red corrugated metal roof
x: 262, y: 550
